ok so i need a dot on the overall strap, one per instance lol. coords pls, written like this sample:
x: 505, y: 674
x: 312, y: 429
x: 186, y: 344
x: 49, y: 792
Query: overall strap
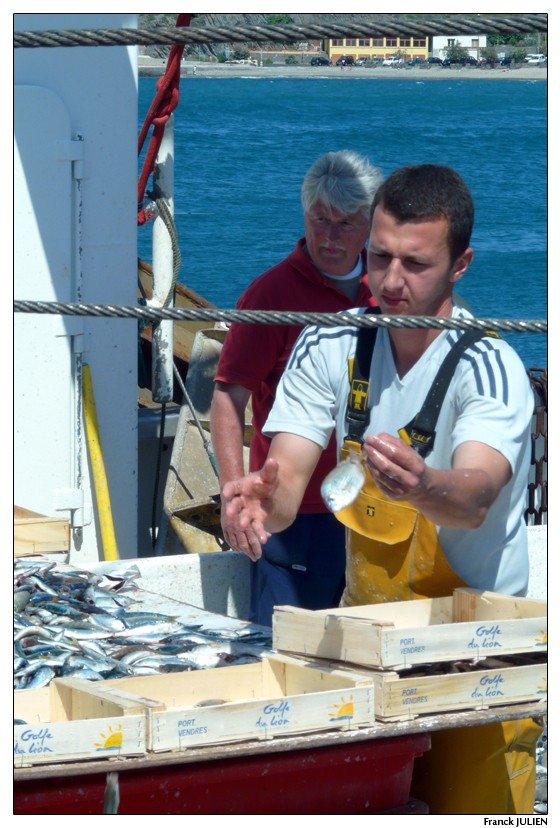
x: 357, y: 412
x: 420, y: 432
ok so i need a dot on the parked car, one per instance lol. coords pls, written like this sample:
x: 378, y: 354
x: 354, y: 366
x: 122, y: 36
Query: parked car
x: 321, y: 61
x: 345, y: 60
x: 535, y: 59
x: 364, y: 61
x: 464, y: 61
x: 393, y: 61
x: 243, y: 62
x: 505, y: 61
x: 434, y: 60
x: 415, y: 62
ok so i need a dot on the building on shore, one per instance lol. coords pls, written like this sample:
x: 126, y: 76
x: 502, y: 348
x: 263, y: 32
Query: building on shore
x: 471, y: 43
x: 406, y: 47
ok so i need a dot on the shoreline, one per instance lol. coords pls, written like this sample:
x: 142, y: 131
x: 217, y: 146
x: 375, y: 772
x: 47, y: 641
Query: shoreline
x: 155, y: 67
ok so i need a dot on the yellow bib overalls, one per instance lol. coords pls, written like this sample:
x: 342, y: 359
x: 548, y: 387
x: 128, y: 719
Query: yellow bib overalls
x: 393, y: 554
x: 392, y: 551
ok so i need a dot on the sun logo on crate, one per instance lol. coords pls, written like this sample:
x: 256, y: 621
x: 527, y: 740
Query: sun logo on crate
x: 342, y: 711
x: 111, y: 742
x: 542, y: 639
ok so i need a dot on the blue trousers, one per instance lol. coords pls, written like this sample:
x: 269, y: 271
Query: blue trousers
x: 303, y: 566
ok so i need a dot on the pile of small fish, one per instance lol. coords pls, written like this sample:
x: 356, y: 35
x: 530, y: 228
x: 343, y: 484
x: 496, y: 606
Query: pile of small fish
x: 74, y: 623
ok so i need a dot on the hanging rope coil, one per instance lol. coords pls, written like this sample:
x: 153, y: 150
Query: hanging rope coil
x: 165, y: 101
x: 381, y: 25
x: 330, y: 320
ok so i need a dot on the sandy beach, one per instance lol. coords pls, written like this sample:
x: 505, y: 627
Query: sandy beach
x: 156, y: 66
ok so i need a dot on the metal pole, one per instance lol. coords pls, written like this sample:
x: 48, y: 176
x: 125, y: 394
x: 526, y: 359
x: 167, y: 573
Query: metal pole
x: 162, y: 342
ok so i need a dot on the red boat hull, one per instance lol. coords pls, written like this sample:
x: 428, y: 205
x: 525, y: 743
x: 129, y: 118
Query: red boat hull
x: 363, y: 778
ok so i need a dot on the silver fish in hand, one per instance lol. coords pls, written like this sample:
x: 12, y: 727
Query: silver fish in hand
x: 342, y: 485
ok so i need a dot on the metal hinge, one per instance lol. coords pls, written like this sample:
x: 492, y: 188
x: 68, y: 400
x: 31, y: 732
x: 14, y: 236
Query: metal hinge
x: 72, y: 500
x: 72, y: 151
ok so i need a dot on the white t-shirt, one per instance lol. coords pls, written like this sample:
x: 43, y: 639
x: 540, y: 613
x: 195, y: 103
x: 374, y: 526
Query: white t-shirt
x: 489, y: 400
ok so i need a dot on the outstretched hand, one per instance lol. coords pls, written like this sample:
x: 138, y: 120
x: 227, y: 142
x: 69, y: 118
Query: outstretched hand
x: 238, y: 539
x: 247, y: 503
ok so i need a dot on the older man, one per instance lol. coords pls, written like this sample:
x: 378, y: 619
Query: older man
x: 326, y: 272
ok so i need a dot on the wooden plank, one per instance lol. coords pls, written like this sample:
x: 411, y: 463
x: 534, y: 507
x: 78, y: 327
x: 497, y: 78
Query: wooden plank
x: 21, y: 514
x: 39, y: 534
x: 261, y: 719
x: 33, y: 706
x: 329, y: 636
x: 400, y: 698
x: 183, y: 332
x: 273, y: 678
x: 400, y: 634
x: 469, y: 640
x: 193, y: 687
x: 474, y: 605
x: 279, y: 695
x: 74, y: 698
x: 304, y: 676
x: 107, y: 738
x: 410, y: 613
x: 276, y: 674
x: 77, y: 729
x: 312, y: 740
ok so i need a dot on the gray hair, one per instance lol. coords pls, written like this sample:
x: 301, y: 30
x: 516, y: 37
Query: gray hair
x: 343, y: 181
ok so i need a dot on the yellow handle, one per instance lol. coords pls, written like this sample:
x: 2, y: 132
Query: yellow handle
x: 110, y: 552
x: 404, y: 435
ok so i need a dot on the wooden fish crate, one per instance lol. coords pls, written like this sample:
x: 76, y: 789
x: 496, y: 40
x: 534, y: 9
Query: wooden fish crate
x: 64, y: 722
x: 36, y: 534
x: 470, y: 624
x: 278, y: 696
x: 490, y: 683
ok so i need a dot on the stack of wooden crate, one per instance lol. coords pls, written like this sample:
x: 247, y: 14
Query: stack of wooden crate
x: 471, y: 650
x: 333, y: 669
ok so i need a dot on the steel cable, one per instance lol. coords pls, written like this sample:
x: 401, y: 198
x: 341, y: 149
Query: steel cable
x: 257, y: 317
x: 383, y: 25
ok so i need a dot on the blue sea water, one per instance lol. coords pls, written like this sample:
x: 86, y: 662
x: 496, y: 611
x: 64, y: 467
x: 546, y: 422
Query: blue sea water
x: 243, y: 145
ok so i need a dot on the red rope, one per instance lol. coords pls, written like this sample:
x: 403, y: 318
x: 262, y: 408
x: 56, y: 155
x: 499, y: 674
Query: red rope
x: 165, y: 101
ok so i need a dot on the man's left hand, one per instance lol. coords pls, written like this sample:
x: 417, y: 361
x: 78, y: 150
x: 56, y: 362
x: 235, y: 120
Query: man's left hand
x: 396, y: 467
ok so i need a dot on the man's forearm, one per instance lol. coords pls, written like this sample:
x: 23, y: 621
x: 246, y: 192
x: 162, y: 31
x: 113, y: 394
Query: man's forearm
x: 455, y: 499
x: 227, y: 444
x: 297, y: 458
x: 227, y: 427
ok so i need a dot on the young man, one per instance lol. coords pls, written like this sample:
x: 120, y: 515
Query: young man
x: 326, y: 272
x: 424, y: 523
